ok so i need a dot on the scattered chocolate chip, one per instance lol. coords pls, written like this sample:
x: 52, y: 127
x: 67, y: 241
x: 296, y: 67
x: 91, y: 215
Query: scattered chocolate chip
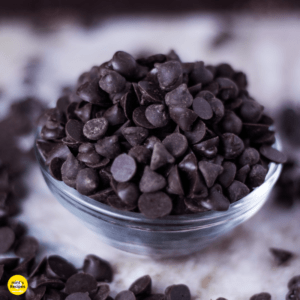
x: 281, y: 256
x: 272, y: 154
x: 142, y: 286
x: 178, y: 292
x: 237, y: 190
x: 26, y: 247
x: 123, y: 168
x: 151, y: 181
x: 261, y: 296
x: 80, y: 283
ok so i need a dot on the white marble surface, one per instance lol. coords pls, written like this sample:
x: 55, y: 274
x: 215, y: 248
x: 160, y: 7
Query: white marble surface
x: 266, y: 48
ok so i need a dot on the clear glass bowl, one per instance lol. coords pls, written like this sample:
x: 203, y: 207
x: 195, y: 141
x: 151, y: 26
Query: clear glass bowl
x: 167, y: 237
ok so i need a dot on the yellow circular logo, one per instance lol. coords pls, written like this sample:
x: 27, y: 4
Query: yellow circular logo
x: 17, y: 285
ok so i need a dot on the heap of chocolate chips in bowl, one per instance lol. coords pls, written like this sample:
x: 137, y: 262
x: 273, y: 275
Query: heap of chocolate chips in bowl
x: 159, y: 136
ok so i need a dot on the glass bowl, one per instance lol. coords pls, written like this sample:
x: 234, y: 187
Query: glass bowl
x: 166, y: 237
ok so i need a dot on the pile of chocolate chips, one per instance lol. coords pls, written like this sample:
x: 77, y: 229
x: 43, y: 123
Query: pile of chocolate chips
x: 159, y: 136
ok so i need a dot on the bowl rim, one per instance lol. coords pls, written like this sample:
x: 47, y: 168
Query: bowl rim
x: 134, y: 217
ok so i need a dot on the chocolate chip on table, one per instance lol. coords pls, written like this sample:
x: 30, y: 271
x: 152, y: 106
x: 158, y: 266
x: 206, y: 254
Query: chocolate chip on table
x: 169, y: 75
x: 160, y: 157
x: 125, y: 295
x: 242, y: 173
x: 227, y: 176
x: 272, y: 154
x: 128, y: 192
x: 210, y: 172
x: 202, y: 108
x: 142, y: 286
x: 261, y: 296
x: 87, y: 181
x: 26, y: 247
x: 123, y: 168
x: 80, y: 283
x: 176, y: 144
x: 157, y: 115
x: 7, y: 238
x: 95, y: 129
x: 180, y: 96
x: 108, y: 147
x: 135, y: 135
x: 237, y: 190
x: 78, y: 296
x: 281, y: 256
x: 155, y: 205
x: 151, y: 181
x: 98, y: 268
x: 256, y: 176
x: 59, y: 268
x: 178, y: 292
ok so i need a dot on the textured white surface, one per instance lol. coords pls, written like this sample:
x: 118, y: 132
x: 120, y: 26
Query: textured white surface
x: 267, y: 49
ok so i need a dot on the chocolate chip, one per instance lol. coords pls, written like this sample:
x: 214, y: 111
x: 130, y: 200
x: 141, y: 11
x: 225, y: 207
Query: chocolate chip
x: 9, y: 263
x: 74, y: 130
x: 202, y: 108
x: 59, y: 268
x: 210, y: 172
x: 128, y: 192
x: 155, y: 205
x: 70, y: 169
x: 242, y: 173
x: 182, y: 116
x: 35, y: 294
x: 115, y: 115
x: 52, y: 134
x: 129, y: 102
x: 151, y: 141
x: 139, y: 118
x: 261, y: 296
x: 87, y: 181
x: 195, y: 89
x: 26, y: 247
x: 39, y: 269
x: 108, y: 147
x: 7, y: 238
x: 169, y: 75
x: 250, y: 156
x: 24, y: 267
x: 178, y: 292
x: 55, y: 168
x: 237, y: 190
x: 155, y: 297
x: 142, y: 286
x: 102, y: 292
x: 78, y: 296
x: 124, y: 63
x: 52, y: 294
x: 208, y: 148
x: 151, y: 181
x: 174, y: 182
x: 216, y: 200
x: 125, y: 295
x: 84, y: 112
x: 80, y: 283
x: 151, y: 92
x: 112, y: 82
x: 281, y: 256
x: 176, y: 144
x: 160, y: 157
x: 227, y: 88
x: 157, y: 115
x: 257, y: 176
x: 95, y: 129
x: 141, y: 154
x: 294, y: 282
x: 268, y: 138
x: 98, y: 268
x: 272, y: 154
x: 179, y: 97
x: 123, y: 168
x: 117, y: 203
x: 197, y: 132
x: 227, y: 176
x: 58, y: 150
x: 250, y: 111
x: 200, y: 74
x: 43, y: 281
x: 103, y: 195
x: 194, y: 204
x: 255, y: 131
x: 233, y: 146
x: 231, y: 123
x: 135, y: 135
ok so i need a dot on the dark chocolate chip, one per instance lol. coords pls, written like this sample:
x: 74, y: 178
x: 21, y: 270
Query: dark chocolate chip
x: 59, y: 150
x: 128, y: 192
x: 141, y: 154
x: 194, y: 204
x: 35, y: 294
x: 108, y: 147
x: 78, y: 296
x: 155, y: 297
x: 216, y: 200
x: 59, y: 268
x: 179, y: 97
x: 124, y: 63
x: 200, y: 74
x: 115, y: 115
x: 272, y: 154
x: 40, y: 281
x: 227, y: 176
x: 84, y: 112
x: 237, y: 190
x: 242, y: 173
x: 7, y: 238
x: 195, y: 89
x: 155, y: 205
x: 160, y: 157
x: 142, y: 286
x: 139, y: 118
x: 182, y: 116
x: 261, y: 296
x: 265, y: 119
x: 174, y: 182
x: 102, y: 292
x: 177, y: 292
x: 80, y: 283
x: 255, y: 131
x: 227, y: 88
x: 129, y: 102
x: 95, y: 129
x: 172, y: 55
x: 52, y: 134
x: 169, y: 75
x: 233, y: 146
x: 9, y: 263
x: 87, y: 181
x: 256, y: 176
x: 176, y: 144
x: 112, y: 82
x: 197, y: 132
x: 251, y: 111
x: 250, y: 156
x: 281, y: 256
x: 151, y: 141
x: 55, y: 168
x: 91, y: 158
x: 157, y: 115
x: 135, y: 135
x: 210, y: 172
x: 125, y: 295
x: 74, y: 130
x: 294, y: 282
x: 123, y: 168
x: 26, y: 247
x: 233, y: 104
x: 202, y: 108
x: 151, y: 181
x: 151, y: 92
x: 268, y: 138
x: 208, y: 148
x: 117, y: 203
x: 231, y: 123
x: 39, y: 269
x: 103, y: 195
